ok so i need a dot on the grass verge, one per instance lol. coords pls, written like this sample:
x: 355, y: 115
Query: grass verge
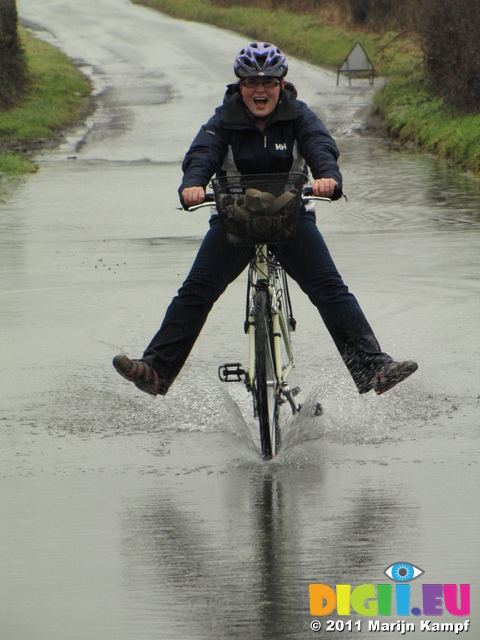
x: 57, y: 95
x: 412, y: 112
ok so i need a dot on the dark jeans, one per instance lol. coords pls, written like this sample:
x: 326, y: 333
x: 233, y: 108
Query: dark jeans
x: 307, y: 260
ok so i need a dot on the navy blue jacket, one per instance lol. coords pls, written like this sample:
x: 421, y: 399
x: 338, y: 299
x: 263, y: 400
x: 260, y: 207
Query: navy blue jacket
x: 231, y: 142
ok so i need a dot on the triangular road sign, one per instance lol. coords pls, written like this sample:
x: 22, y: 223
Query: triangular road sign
x: 357, y: 64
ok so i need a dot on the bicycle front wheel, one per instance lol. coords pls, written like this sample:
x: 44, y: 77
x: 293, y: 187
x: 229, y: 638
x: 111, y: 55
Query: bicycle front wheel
x: 266, y: 384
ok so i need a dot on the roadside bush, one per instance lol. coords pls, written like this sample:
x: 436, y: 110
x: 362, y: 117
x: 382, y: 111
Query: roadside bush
x: 13, y: 72
x: 449, y: 32
x: 382, y: 13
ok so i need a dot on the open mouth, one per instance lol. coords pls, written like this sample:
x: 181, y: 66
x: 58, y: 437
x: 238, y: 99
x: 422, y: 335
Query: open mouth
x: 260, y: 101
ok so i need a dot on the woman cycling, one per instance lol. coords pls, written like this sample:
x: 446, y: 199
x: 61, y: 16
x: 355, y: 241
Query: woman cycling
x: 262, y: 127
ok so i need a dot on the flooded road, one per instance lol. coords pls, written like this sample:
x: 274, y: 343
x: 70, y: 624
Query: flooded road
x: 126, y: 517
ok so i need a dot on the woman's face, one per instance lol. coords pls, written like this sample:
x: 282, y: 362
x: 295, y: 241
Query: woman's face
x: 260, y: 100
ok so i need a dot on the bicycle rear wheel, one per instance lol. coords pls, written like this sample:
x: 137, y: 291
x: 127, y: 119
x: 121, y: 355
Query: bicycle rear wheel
x: 266, y: 381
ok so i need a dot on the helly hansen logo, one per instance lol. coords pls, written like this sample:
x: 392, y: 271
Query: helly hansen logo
x: 281, y: 147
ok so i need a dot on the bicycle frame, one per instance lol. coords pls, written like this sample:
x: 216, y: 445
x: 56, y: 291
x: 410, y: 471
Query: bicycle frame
x: 266, y: 272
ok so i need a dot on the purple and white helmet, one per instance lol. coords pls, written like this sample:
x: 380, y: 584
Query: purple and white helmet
x: 260, y: 59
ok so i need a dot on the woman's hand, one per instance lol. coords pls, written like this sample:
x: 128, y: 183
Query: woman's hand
x: 192, y: 196
x: 324, y: 187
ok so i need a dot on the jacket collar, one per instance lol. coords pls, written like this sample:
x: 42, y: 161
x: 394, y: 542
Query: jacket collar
x: 237, y: 115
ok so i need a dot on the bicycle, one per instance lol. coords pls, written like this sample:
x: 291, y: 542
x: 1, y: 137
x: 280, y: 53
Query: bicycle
x: 262, y: 210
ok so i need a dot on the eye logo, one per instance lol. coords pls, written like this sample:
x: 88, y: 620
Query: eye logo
x: 403, y: 572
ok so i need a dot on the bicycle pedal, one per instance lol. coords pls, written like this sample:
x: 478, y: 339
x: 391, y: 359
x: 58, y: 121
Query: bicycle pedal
x: 231, y: 372
x: 295, y: 391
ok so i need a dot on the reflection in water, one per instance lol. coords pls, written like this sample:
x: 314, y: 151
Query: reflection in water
x: 241, y: 569
x: 279, y: 600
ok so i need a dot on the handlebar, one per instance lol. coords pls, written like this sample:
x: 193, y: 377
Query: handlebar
x: 307, y: 196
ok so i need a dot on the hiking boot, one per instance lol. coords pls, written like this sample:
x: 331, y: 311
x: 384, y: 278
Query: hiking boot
x: 143, y: 375
x: 391, y: 373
